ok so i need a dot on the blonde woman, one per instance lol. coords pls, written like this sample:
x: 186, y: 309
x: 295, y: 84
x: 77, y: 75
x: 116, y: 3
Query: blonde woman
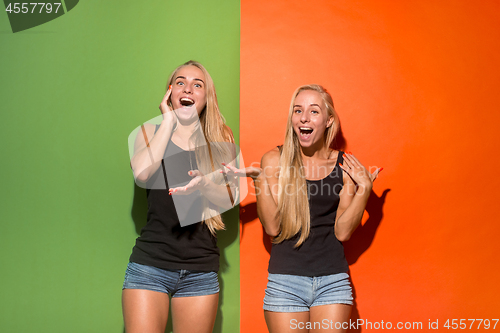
x: 170, y: 259
x: 310, y: 198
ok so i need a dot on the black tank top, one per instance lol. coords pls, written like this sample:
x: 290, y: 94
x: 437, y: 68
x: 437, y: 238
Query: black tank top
x: 163, y: 243
x: 321, y: 253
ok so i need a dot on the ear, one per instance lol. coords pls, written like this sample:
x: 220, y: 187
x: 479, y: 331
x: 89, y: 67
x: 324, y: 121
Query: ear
x: 329, y: 122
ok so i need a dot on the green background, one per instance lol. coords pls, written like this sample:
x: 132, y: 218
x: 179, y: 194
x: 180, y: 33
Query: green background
x: 72, y: 91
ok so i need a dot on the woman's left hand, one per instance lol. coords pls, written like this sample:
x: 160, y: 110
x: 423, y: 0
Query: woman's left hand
x: 252, y: 172
x: 358, y: 172
x: 195, y: 184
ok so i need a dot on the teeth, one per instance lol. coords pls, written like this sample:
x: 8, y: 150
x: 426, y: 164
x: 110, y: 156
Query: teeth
x: 186, y: 101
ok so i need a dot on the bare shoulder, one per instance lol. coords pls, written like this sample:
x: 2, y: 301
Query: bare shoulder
x: 271, y: 158
x: 334, y: 154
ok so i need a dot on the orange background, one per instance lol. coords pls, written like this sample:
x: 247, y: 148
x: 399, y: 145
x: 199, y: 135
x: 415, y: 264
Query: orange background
x: 415, y: 84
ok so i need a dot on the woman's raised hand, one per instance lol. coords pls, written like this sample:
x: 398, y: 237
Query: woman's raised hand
x: 358, y: 172
x: 167, y: 112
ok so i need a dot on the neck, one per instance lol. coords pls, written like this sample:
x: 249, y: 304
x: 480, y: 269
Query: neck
x: 318, y: 150
x: 185, y: 131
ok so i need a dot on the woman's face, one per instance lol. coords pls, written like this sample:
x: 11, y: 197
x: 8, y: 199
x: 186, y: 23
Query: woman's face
x: 188, y: 91
x: 310, y: 118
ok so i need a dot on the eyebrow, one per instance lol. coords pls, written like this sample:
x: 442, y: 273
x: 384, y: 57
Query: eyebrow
x: 299, y: 106
x: 183, y: 77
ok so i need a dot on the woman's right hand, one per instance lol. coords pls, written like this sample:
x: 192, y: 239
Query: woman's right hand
x: 357, y: 171
x: 168, y: 114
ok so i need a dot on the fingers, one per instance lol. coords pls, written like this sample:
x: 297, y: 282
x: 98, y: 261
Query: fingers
x: 164, y: 107
x: 174, y: 190
x: 254, y: 172
x: 375, y: 174
x: 350, y: 166
x: 251, y: 172
x: 183, y: 189
x: 232, y: 169
x: 344, y: 168
x: 352, y: 159
x: 179, y: 190
x: 355, y: 168
x: 195, y: 173
x: 347, y: 161
x: 191, y: 186
x: 229, y: 167
x: 167, y: 95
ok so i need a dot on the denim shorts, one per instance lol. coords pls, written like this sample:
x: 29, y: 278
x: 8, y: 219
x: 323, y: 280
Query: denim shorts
x: 178, y: 283
x: 293, y: 293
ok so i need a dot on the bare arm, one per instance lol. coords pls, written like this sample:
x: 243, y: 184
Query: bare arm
x: 351, y: 208
x: 266, y: 189
x: 353, y: 198
x: 149, y: 146
x: 149, y: 149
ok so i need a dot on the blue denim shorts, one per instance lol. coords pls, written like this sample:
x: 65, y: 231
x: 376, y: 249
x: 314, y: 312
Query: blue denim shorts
x: 293, y: 293
x: 178, y: 283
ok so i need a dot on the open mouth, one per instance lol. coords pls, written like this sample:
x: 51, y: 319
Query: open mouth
x: 305, y: 133
x: 305, y: 130
x: 185, y: 101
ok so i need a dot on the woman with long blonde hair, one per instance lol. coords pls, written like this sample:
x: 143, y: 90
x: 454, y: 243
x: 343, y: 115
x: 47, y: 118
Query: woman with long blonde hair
x: 173, y: 257
x: 310, y: 198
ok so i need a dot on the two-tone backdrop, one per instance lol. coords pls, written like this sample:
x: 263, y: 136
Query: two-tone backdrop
x: 414, y: 83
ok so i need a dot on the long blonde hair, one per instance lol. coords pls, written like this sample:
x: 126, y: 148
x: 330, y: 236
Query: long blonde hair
x: 210, y: 149
x: 293, y: 203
